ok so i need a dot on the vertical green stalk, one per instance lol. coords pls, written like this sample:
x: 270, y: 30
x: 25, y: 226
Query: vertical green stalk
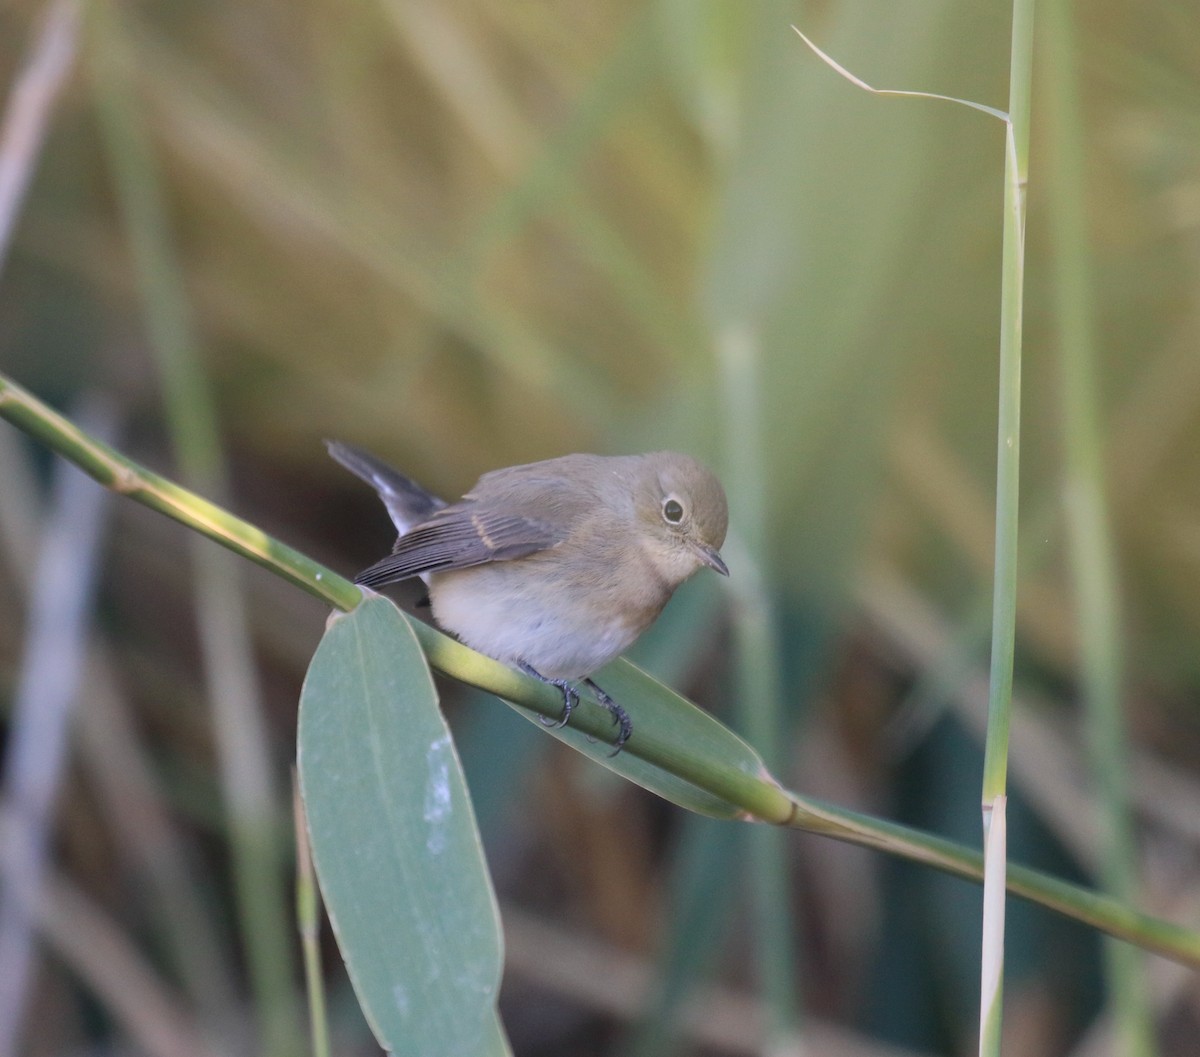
x: 308, y: 919
x: 1008, y: 443
x: 240, y: 733
x: 1092, y: 551
x: 1008, y: 460
x: 757, y: 665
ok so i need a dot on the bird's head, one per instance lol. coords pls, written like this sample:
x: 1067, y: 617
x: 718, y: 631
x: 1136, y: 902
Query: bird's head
x: 682, y: 513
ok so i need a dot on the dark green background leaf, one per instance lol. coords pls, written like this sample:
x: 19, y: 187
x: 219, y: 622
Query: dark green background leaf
x: 658, y: 711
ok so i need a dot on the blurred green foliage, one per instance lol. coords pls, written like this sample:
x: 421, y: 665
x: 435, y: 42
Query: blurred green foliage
x: 469, y: 233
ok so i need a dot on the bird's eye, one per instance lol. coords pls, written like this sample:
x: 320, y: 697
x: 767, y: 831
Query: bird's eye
x: 673, y: 511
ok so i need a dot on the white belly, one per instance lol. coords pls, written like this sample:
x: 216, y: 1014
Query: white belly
x: 556, y: 631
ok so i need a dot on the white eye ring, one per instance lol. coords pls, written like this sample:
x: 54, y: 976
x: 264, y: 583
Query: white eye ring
x: 672, y: 510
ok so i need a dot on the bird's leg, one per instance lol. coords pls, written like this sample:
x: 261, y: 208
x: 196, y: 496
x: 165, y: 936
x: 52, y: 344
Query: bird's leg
x: 619, y: 715
x: 570, y: 695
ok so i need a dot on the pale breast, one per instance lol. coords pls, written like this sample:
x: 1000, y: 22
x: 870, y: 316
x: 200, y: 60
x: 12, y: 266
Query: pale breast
x: 563, y: 626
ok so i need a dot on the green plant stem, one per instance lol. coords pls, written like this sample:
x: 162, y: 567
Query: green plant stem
x: 124, y: 476
x: 1092, y: 551
x: 758, y: 795
x: 1008, y: 442
x: 308, y: 919
x: 1008, y: 462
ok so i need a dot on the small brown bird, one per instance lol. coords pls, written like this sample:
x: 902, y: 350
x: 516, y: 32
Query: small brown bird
x: 554, y: 567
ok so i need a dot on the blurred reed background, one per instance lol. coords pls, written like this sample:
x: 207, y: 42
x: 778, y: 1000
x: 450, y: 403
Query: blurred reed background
x: 472, y: 233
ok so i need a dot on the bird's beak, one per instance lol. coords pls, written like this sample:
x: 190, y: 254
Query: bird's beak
x: 711, y: 558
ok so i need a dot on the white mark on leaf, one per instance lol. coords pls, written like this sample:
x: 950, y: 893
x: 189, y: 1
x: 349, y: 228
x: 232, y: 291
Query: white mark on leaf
x: 437, y: 794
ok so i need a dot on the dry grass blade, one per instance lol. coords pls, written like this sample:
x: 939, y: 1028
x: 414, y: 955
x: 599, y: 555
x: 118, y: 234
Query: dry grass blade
x: 94, y: 947
x: 30, y: 107
x: 858, y: 82
x: 129, y: 791
x: 43, y: 705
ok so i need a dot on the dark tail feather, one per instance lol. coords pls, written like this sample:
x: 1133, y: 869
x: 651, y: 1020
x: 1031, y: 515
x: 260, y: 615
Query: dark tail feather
x: 407, y: 502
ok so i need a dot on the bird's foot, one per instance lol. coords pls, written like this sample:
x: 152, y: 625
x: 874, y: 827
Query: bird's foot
x: 619, y: 715
x: 570, y: 695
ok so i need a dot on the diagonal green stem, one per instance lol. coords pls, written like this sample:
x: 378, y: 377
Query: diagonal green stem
x: 758, y: 795
x: 122, y: 475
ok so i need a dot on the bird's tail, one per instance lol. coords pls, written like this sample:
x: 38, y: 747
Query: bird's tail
x: 407, y: 502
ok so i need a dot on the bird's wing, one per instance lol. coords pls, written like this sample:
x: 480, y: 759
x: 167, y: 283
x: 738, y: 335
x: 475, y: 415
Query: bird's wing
x: 458, y: 537
x: 407, y: 502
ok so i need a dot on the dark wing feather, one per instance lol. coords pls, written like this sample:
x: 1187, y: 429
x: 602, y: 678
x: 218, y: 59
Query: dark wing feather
x: 457, y: 538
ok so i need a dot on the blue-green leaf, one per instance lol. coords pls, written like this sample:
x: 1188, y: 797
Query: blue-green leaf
x: 394, y: 841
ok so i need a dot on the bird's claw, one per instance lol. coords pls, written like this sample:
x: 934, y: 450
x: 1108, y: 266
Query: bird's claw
x: 570, y: 700
x: 619, y: 716
x: 570, y: 697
